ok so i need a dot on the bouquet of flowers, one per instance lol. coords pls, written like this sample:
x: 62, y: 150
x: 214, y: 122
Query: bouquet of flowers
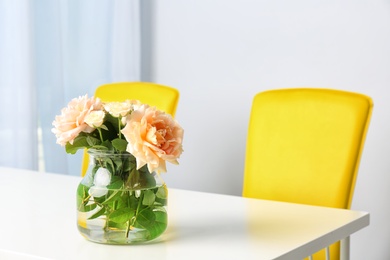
x: 120, y: 198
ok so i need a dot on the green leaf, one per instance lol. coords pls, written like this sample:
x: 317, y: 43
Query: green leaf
x: 123, y: 201
x: 147, y: 180
x: 98, y: 213
x: 83, y: 203
x: 162, y: 192
x: 82, y: 193
x: 115, y: 191
x: 113, y: 122
x: 119, y: 144
x: 160, y: 224
x: 121, y: 215
x: 145, y: 218
x: 80, y: 142
x: 117, y: 163
x: 100, y: 200
x: 153, y: 221
x: 162, y: 195
x: 104, y: 127
x: 100, y: 147
x: 92, y: 140
x: 161, y: 219
x: 120, y: 226
x: 116, y: 183
x: 133, y: 201
x: 149, y: 198
x: 106, y: 145
x: 108, y: 164
x: 84, y: 207
x: 128, y: 165
x: 114, y: 196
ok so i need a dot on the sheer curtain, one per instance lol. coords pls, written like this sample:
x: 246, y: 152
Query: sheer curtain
x: 52, y: 51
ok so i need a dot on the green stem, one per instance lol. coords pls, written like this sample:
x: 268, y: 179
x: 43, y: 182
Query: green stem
x: 84, y: 200
x: 141, y: 196
x: 119, y: 127
x: 100, y: 134
x: 128, y: 229
x: 132, y: 221
x: 106, y: 227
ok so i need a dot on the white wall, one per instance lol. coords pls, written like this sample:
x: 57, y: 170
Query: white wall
x: 219, y: 53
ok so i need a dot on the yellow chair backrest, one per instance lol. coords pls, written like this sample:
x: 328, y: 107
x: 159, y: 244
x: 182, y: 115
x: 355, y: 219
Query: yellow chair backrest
x: 163, y: 97
x: 304, y: 146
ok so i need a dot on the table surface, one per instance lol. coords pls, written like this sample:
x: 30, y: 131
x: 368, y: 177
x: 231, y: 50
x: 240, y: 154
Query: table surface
x: 39, y: 222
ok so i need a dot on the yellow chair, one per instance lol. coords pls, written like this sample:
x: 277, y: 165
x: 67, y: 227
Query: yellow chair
x: 304, y: 146
x: 163, y: 97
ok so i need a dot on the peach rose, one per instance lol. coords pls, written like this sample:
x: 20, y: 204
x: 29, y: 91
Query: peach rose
x: 70, y: 123
x: 153, y: 137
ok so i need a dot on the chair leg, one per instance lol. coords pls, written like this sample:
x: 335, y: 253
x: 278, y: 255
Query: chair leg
x: 344, y: 248
x: 327, y: 255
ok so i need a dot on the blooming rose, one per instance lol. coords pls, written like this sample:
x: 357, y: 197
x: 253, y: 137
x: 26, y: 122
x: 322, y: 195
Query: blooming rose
x: 71, y: 122
x: 153, y: 137
x: 95, y: 118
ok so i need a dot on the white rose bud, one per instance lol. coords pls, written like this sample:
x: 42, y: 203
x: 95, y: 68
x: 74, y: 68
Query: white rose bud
x: 102, y: 177
x: 101, y: 180
x: 95, y: 118
x: 117, y: 109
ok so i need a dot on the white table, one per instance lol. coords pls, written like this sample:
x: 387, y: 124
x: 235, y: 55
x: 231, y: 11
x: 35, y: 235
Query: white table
x: 38, y: 221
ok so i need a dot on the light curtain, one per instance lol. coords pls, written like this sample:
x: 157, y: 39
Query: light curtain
x: 52, y: 51
x: 18, y: 139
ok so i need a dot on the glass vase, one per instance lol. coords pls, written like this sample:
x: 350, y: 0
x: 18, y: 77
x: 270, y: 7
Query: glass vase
x: 118, y: 204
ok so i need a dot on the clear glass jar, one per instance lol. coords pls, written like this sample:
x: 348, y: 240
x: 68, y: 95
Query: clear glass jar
x: 118, y: 204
